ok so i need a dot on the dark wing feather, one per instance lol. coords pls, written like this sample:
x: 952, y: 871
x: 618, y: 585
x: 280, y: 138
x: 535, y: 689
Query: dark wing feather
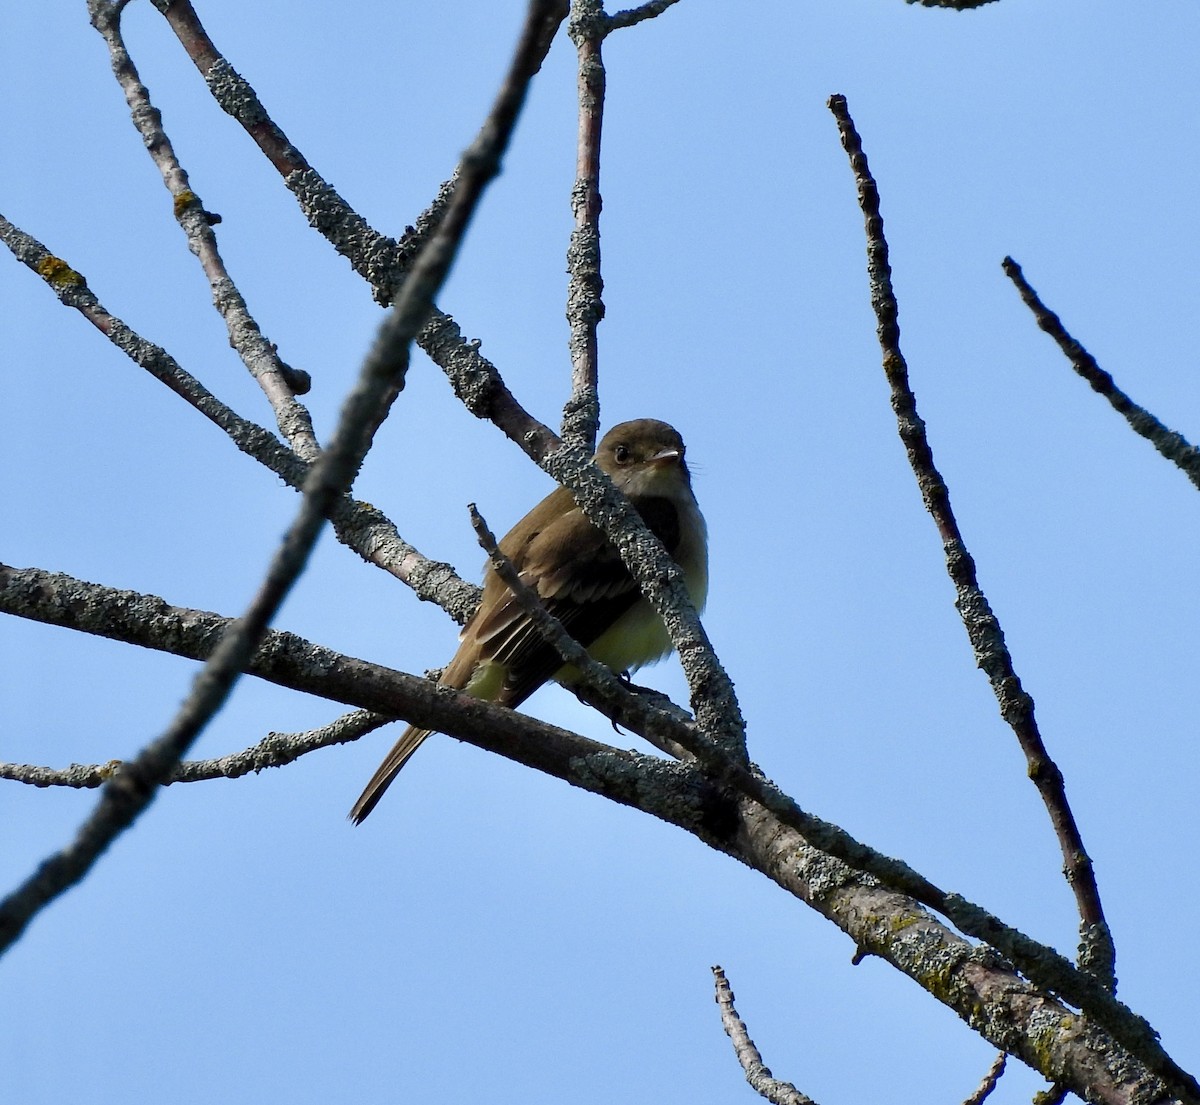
x: 581, y: 581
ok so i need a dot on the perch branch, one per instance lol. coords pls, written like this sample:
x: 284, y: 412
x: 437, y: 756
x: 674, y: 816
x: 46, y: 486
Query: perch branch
x: 289, y: 661
x: 286, y: 660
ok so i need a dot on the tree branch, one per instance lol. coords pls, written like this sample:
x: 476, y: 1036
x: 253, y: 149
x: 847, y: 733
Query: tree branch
x: 758, y: 1074
x: 279, y: 382
x: 1175, y: 447
x: 358, y: 525
x: 1097, y: 953
x: 381, y: 260
x: 585, y: 285
x: 990, y: 1081
x: 274, y: 750
x: 290, y: 661
x: 632, y: 16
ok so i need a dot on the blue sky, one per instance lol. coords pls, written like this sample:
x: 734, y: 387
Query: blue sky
x: 489, y: 931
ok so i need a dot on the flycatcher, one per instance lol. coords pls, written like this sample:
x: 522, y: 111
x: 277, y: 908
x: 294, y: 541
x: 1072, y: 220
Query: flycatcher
x: 581, y: 580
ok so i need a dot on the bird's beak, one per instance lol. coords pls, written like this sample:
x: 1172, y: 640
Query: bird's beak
x: 663, y: 456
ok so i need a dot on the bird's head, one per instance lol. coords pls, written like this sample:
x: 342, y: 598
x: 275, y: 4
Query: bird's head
x: 644, y: 457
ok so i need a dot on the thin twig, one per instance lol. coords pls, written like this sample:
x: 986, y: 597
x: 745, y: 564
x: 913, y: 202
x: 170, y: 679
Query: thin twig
x: 585, y: 285
x: 132, y: 789
x: 1096, y: 951
x: 1052, y: 1095
x: 279, y: 382
x: 990, y: 1080
x: 631, y: 16
x: 757, y: 1073
x: 1174, y: 446
x: 360, y: 526
x: 274, y: 750
x: 381, y: 260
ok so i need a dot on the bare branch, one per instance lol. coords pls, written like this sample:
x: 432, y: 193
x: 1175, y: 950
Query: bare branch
x: 631, y: 16
x: 281, y: 749
x: 274, y: 750
x: 149, y: 622
x: 380, y: 259
x: 288, y: 661
x: 585, y: 307
x: 990, y: 1081
x: 72, y: 291
x: 826, y: 867
x: 1054, y: 1095
x: 358, y: 525
x: 132, y: 789
x: 956, y: 5
x: 1170, y: 444
x: 757, y: 1073
x: 1096, y: 951
x: 278, y: 381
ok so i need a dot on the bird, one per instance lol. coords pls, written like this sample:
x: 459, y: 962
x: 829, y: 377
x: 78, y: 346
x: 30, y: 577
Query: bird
x: 580, y: 578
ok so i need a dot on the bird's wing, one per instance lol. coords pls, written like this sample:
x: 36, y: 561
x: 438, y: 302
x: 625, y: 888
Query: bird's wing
x: 581, y: 581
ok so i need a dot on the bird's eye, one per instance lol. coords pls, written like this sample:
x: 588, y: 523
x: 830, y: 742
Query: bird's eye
x: 621, y: 454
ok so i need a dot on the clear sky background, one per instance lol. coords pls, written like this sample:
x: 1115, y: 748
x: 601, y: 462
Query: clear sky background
x: 491, y: 933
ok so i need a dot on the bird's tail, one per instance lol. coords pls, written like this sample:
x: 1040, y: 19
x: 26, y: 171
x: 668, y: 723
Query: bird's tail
x: 388, y: 770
